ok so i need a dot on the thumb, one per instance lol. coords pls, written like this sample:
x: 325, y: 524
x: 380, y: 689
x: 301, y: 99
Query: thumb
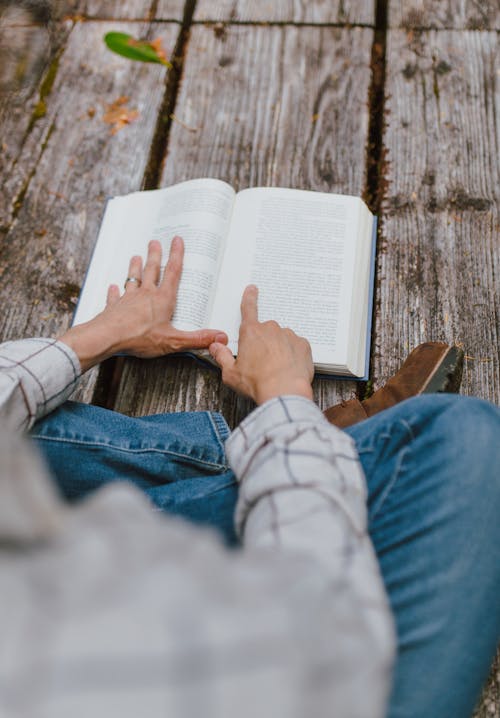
x: 222, y: 355
x: 200, y: 339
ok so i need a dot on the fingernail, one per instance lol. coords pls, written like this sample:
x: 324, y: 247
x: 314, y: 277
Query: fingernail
x: 176, y: 241
x: 221, y: 338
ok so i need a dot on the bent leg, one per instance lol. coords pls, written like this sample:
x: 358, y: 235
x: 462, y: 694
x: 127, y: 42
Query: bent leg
x: 178, y: 460
x: 432, y: 469
x: 432, y: 465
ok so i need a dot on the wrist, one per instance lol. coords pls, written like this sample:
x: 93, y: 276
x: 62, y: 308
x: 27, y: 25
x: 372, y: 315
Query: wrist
x: 92, y: 342
x: 294, y: 387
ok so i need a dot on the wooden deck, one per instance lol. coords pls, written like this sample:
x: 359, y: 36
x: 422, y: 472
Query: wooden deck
x: 394, y: 101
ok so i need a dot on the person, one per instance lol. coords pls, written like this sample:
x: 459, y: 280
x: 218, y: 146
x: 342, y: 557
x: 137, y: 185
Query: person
x: 366, y: 580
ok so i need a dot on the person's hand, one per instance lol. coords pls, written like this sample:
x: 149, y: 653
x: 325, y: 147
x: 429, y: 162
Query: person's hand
x: 139, y: 322
x: 271, y: 361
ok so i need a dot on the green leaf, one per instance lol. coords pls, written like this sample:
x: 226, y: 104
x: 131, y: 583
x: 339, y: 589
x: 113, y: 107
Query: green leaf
x: 127, y: 46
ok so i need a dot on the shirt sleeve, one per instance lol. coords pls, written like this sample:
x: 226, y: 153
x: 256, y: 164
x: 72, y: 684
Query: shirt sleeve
x: 303, y: 492
x: 36, y: 376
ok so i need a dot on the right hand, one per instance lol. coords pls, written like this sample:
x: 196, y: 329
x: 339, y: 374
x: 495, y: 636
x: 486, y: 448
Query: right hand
x: 271, y: 361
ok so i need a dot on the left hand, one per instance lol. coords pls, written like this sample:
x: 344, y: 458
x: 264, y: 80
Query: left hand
x: 139, y: 322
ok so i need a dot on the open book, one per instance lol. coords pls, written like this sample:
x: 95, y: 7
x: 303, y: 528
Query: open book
x: 310, y: 254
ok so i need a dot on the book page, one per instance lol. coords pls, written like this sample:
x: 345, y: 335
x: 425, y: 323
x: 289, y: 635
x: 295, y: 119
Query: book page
x: 298, y: 247
x: 199, y: 211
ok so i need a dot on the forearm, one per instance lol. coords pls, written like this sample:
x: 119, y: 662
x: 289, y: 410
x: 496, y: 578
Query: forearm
x: 36, y: 376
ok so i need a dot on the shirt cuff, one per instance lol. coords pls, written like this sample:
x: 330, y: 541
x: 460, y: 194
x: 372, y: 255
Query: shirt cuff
x: 274, y: 413
x: 46, y: 372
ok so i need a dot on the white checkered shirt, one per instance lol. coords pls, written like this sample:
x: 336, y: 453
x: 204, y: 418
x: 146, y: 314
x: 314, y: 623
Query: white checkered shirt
x: 112, y: 609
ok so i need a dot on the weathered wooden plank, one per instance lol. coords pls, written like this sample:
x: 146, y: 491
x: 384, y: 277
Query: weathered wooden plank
x: 439, y: 263
x: 124, y: 9
x: 177, y: 383
x: 303, y: 124
x: 294, y: 11
x: 56, y: 10
x: 449, y: 14
x: 43, y: 258
x: 25, y: 43
x: 105, y: 9
x: 146, y: 10
x: 30, y: 44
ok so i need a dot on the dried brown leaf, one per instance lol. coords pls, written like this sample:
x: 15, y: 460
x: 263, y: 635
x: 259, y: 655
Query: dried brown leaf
x: 118, y: 115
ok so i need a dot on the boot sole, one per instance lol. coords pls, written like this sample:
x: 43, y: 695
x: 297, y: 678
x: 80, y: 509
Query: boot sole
x: 447, y: 375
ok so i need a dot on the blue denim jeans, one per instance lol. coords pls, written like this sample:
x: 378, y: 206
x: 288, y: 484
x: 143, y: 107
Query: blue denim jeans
x: 432, y: 467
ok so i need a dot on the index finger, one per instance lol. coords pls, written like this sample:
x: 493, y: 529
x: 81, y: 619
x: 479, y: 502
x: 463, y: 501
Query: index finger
x: 249, y: 312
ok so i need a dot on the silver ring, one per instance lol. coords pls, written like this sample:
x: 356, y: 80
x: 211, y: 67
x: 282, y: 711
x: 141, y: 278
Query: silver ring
x: 132, y: 279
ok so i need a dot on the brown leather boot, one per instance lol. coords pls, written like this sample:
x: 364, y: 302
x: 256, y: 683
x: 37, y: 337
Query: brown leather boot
x: 431, y: 367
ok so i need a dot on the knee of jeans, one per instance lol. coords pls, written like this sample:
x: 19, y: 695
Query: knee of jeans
x: 470, y: 431
x: 468, y: 417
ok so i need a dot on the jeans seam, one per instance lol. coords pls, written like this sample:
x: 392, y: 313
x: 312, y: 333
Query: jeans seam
x: 80, y: 442
x: 214, y: 416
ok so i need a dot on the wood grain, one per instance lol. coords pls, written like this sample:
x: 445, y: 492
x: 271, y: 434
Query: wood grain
x: 133, y: 9
x: 110, y: 9
x: 44, y: 256
x: 303, y: 124
x: 293, y: 11
x: 449, y: 14
x: 438, y: 267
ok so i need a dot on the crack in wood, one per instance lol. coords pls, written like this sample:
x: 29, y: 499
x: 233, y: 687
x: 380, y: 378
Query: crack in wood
x: 375, y: 154
x: 46, y: 85
x: 159, y: 145
x: 18, y: 201
x: 376, y: 183
x: 152, y: 10
x: 283, y: 23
